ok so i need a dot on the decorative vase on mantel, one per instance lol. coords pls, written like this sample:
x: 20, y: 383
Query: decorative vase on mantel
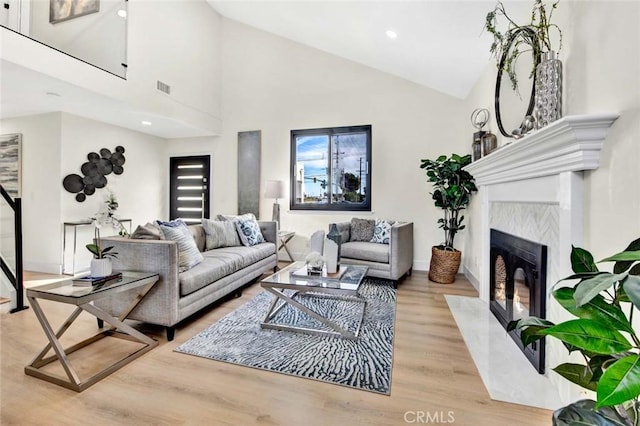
x: 548, y: 90
x: 101, y: 267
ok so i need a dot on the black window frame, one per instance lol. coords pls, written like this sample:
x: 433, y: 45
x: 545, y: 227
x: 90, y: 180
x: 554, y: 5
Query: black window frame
x: 330, y: 132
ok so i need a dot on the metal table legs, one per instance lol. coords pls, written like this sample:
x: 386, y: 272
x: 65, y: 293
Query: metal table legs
x: 281, y: 299
x: 73, y: 381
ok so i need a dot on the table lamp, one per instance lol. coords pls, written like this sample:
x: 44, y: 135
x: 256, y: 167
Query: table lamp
x: 275, y: 189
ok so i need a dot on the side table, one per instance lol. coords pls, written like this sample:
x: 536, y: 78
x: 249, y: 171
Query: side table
x: 285, y: 237
x: 81, y: 297
x: 74, y: 226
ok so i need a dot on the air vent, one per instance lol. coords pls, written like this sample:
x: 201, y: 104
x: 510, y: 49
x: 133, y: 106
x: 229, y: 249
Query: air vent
x: 163, y: 87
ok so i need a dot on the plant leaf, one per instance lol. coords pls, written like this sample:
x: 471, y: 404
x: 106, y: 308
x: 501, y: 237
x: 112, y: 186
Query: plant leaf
x: 620, y: 382
x: 631, y: 287
x: 583, y: 413
x: 635, y: 270
x: 590, y: 335
x: 590, y: 288
x: 93, y: 248
x: 579, y: 374
x: 582, y: 260
x: 620, y: 267
x: 596, y: 309
x: 625, y: 256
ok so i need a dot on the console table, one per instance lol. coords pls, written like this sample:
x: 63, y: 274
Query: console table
x: 74, y: 226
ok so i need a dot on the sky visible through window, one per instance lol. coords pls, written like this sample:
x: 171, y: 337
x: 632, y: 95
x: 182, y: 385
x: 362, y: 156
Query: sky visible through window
x: 344, y: 155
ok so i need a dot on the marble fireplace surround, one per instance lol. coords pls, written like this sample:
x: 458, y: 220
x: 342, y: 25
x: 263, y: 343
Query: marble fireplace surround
x: 533, y: 188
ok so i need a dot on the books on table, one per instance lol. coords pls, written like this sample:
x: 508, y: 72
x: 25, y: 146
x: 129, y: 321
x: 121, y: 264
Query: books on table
x: 91, y: 281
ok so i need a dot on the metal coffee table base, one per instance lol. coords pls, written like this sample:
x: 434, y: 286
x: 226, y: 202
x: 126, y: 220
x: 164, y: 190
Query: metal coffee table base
x: 281, y: 300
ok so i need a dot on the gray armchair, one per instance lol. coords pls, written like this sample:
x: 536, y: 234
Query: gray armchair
x: 391, y: 261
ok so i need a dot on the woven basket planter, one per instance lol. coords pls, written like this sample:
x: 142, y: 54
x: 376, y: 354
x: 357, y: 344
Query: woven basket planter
x: 444, y: 265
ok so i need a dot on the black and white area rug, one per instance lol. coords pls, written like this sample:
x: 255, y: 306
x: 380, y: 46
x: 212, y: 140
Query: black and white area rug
x: 364, y: 363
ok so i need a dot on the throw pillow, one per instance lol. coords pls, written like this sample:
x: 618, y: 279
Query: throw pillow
x: 362, y: 229
x: 188, y: 253
x: 172, y: 223
x: 235, y: 217
x: 149, y: 231
x: 382, y: 231
x: 249, y: 232
x: 220, y: 234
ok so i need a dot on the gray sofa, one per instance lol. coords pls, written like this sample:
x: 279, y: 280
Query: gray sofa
x: 178, y: 295
x: 391, y: 261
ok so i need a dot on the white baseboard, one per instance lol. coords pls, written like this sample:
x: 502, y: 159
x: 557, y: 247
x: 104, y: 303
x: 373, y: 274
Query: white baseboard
x: 420, y: 265
x: 472, y: 278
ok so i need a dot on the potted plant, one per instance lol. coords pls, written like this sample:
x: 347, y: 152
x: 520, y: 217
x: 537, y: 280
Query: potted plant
x: 452, y: 189
x: 602, y: 333
x: 101, y: 262
x: 534, y: 35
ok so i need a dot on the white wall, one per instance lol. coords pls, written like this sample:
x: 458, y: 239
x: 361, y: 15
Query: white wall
x: 175, y: 42
x: 275, y: 85
x: 601, y: 74
x: 41, y: 188
x: 55, y: 145
x: 99, y: 38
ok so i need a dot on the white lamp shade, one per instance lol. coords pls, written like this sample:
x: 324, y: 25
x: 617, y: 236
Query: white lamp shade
x: 274, y: 189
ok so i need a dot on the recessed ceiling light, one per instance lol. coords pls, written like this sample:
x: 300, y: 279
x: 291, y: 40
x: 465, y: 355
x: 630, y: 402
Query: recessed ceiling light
x: 146, y: 123
x: 391, y: 34
x: 122, y: 13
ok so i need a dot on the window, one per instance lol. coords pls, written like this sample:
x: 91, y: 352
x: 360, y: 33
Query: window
x: 331, y: 168
x: 189, y: 190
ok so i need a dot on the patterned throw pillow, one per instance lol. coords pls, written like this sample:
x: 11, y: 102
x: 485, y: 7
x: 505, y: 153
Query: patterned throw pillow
x: 382, y: 231
x: 362, y: 229
x: 220, y: 233
x: 188, y: 253
x: 249, y: 232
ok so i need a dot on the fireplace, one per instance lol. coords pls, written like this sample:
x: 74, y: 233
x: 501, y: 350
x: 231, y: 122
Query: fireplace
x: 518, y: 276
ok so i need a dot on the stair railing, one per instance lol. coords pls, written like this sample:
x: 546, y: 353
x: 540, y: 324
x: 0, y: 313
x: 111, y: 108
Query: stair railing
x: 16, y: 279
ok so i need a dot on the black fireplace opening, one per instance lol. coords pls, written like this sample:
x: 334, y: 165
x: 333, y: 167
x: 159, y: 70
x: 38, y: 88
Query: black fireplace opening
x: 518, y: 286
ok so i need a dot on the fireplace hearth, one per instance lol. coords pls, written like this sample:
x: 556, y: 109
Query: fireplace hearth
x: 518, y: 286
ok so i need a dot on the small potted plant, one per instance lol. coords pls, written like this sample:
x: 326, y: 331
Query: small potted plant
x: 452, y: 189
x: 602, y: 333
x: 101, y: 262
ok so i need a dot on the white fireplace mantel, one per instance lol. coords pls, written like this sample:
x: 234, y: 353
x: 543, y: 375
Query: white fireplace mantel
x: 533, y: 188
x: 570, y: 144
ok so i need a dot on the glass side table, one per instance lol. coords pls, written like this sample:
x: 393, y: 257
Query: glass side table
x: 81, y: 297
x: 284, y: 237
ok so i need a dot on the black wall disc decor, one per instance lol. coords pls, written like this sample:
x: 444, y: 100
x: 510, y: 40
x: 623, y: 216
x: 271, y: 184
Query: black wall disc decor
x: 94, y: 172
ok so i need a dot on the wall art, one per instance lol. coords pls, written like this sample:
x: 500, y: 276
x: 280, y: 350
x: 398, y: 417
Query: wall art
x: 63, y: 10
x: 10, y: 163
x: 94, y: 172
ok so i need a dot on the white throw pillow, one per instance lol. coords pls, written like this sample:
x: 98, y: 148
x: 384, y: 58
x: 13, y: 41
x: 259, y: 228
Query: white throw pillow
x: 188, y: 253
x: 249, y: 232
x: 382, y: 231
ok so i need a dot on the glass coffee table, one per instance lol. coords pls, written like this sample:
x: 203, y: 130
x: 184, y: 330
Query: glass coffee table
x: 294, y: 280
x: 82, y: 298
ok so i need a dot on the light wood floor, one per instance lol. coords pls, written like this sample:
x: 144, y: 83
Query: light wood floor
x: 433, y: 375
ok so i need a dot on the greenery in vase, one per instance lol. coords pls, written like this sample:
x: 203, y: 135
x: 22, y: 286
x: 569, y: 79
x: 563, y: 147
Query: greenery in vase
x: 452, y: 189
x: 535, y: 35
x: 602, y: 333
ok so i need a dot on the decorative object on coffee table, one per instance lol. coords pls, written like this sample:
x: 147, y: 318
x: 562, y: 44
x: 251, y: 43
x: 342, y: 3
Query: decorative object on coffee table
x: 452, y: 189
x: 315, y: 263
x: 332, y: 248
